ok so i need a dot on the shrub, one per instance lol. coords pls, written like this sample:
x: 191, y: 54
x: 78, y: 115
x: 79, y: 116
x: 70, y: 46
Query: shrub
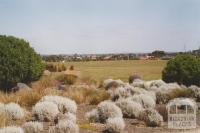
x: 115, y: 125
x: 11, y: 129
x: 92, y: 116
x: 119, y: 92
x: 14, y: 111
x: 50, y: 67
x: 196, y: 91
x: 176, y: 93
x: 104, y: 111
x: 138, y: 83
x: 32, y: 127
x: 157, y: 83
x: 152, y: 94
x: 71, y: 68
x: 183, y: 69
x: 110, y: 83
x: 145, y: 100
x: 55, y: 67
x: 68, y: 79
x: 64, y: 104
x: 151, y: 117
x: 162, y: 97
x: 130, y: 109
x: 18, y: 63
x: 133, y: 77
x: 107, y: 110
x: 45, y: 111
x: 163, y: 92
x: 67, y: 116
x: 162, y: 110
x: 46, y: 73
x: 136, y: 90
x: 65, y: 126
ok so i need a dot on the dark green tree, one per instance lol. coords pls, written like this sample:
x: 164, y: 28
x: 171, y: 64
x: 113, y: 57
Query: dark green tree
x: 158, y: 53
x: 18, y: 62
x: 183, y: 69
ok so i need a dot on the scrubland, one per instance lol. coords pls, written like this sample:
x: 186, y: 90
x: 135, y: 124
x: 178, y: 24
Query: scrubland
x: 94, y: 97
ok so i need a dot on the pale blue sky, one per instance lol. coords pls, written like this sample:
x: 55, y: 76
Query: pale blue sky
x: 103, y: 26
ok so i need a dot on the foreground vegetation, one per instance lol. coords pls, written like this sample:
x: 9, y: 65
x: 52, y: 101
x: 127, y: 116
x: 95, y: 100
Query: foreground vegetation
x: 115, y: 90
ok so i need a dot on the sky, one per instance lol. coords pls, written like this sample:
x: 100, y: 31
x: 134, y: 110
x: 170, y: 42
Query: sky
x: 103, y: 26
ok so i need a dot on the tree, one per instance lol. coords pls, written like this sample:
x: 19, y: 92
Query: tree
x: 158, y: 53
x: 18, y: 62
x: 183, y: 69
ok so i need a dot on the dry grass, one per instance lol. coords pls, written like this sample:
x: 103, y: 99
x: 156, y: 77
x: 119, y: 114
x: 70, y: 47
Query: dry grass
x: 86, y: 95
x: 43, y: 83
x: 58, y: 67
x: 181, y: 93
x: 100, y: 70
x: 7, y: 121
x: 68, y: 79
x: 87, y: 127
x: 45, y: 86
x: 26, y: 98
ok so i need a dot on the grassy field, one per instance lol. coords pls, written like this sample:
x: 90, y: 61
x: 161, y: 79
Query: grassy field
x: 100, y: 70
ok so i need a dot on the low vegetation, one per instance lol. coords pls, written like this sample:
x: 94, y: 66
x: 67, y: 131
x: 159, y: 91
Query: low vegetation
x: 55, y: 67
x: 57, y: 96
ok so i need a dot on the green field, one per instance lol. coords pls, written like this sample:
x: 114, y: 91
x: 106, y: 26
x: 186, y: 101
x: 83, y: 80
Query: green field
x: 100, y: 70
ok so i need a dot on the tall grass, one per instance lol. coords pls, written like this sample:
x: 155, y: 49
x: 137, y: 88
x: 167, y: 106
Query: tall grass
x: 86, y: 95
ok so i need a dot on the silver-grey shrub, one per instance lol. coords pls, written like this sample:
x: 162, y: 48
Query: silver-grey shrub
x: 129, y: 108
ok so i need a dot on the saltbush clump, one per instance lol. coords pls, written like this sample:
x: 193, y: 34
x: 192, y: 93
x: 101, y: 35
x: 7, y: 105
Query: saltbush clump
x: 45, y: 111
x: 107, y: 110
x: 108, y: 113
x: 66, y: 123
x: 115, y: 125
x: 110, y: 83
x: 138, y: 83
x: 120, y: 92
x: 92, y: 116
x: 130, y: 109
x: 18, y: 63
x: 104, y: 110
x: 145, y: 100
x: 151, y: 117
x: 14, y: 111
x: 183, y: 69
x: 65, y: 126
x: 196, y: 91
x: 11, y: 129
x: 66, y: 116
x: 133, y: 77
x: 64, y: 104
x: 32, y: 127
